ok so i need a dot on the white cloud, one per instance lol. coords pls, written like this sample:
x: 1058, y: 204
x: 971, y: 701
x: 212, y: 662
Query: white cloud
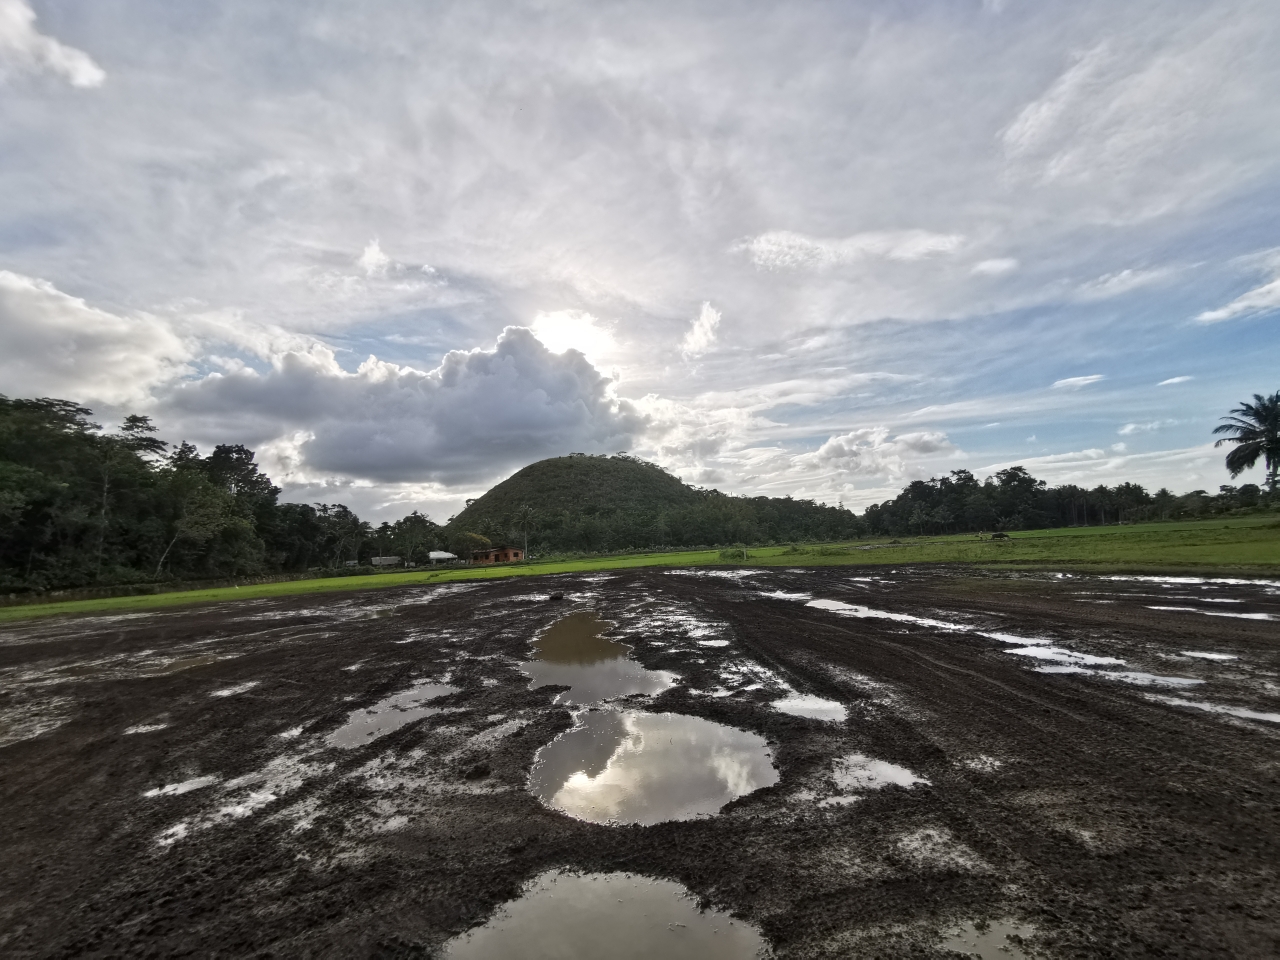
x: 478, y: 412
x: 23, y: 49
x: 1261, y: 299
x: 1173, y: 380
x: 1149, y: 426
x: 53, y: 344
x: 1075, y: 383
x: 783, y: 250
x: 702, y: 332
x: 373, y: 261
x: 996, y: 267
x: 1124, y: 281
x: 869, y: 452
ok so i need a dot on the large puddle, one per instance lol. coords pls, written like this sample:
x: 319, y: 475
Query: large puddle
x: 618, y: 915
x: 627, y: 766
x: 387, y: 715
x: 574, y: 652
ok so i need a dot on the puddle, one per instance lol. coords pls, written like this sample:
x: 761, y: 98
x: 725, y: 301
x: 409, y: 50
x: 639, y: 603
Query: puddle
x: 1216, y: 613
x: 616, y: 915
x: 388, y: 715
x: 233, y: 691
x: 1217, y: 708
x: 869, y: 613
x: 1064, y: 656
x: 816, y: 708
x: 860, y: 772
x: 574, y: 652
x: 1126, y: 676
x: 146, y: 728
x: 633, y: 767
x: 1209, y: 656
x: 177, y: 789
x: 989, y: 940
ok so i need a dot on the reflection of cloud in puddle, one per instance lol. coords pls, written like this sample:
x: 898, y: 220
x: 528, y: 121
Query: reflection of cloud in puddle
x: 177, y: 789
x: 1216, y: 613
x: 574, y: 652
x: 1241, y: 712
x: 1063, y: 656
x: 860, y: 772
x: 1209, y: 656
x: 389, y: 714
x: 868, y: 613
x: 615, y: 915
x: 146, y: 728
x: 232, y: 691
x: 634, y: 767
x: 784, y: 595
x: 813, y: 707
x: 1126, y: 676
x: 28, y: 719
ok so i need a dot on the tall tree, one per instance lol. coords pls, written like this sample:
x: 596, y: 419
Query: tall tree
x: 1254, y: 428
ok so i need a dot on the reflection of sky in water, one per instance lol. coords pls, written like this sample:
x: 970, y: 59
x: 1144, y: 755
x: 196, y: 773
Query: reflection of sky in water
x: 816, y: 708
x: 634, y: 767
x: 615, y: 915
x: 387, y: 715
x: 572, y: 652
x: 860, y: 772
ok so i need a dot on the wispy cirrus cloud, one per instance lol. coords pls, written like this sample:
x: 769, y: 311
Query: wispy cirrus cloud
x: 1075, y: 383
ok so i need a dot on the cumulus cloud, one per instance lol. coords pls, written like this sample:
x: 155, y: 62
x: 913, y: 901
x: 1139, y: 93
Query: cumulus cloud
x: 1075, y: 383
x: 561, y: 330
x: 870, y: 452
x: 23, y: 49
x: 53, y: 344
x: 478, y: 412
x: 702, y: 332
x: 784, y: 250
x: 1261, y: 299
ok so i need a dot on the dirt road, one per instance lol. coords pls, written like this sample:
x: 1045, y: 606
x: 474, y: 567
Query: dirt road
x: 1095, y: 759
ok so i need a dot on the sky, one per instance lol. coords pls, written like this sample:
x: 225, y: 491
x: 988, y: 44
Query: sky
x: 402, y: 249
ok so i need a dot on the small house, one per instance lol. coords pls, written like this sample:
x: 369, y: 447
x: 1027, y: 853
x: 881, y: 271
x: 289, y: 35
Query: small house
x: 497, y: 555
x: 386, y: 561
x: 441, y: 556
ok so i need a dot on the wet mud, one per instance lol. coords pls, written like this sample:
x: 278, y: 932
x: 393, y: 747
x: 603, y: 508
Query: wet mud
x: 942, y: 763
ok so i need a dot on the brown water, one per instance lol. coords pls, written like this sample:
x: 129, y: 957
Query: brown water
x: 628, y: 766
x: 574, y: 652
x: 990, y: 943
x: 565, y: 916
x: 396, y: 711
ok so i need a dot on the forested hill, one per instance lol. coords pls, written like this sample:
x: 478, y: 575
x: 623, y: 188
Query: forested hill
x: 593, y: 503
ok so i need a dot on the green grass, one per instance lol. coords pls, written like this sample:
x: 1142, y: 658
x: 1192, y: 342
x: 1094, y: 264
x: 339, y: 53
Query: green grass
x: 1249, y: 545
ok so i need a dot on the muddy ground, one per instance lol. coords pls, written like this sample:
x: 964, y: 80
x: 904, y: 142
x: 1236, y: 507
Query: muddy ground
x: 1117, y: 814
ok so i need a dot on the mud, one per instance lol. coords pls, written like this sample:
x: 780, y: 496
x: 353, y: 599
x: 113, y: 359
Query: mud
x: 967, y: 798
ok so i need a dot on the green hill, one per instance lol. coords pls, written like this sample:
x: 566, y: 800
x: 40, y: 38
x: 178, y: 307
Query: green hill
x: 582, y: 502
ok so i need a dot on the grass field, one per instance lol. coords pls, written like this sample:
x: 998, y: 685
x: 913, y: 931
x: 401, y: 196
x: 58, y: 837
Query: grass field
x: 1248, y: 545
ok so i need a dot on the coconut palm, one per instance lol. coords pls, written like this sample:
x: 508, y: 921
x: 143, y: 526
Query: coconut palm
x: 1255, y: 430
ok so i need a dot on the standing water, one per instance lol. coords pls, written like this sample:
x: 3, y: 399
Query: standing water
x: 615, y: 915
x: 574, y: 652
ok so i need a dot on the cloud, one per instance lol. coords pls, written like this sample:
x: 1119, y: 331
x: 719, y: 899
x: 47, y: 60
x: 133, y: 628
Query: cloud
x: 373, y: 261
x: 702, y: 332
x: 561, y: 330
x: 1148, y: 427
x: 996, y: 267
x: 869, y: 452
x: 1075, y: 383
x: 1116, y: 284
x: 25, y: 50
x: 477, y: 413
x: 53, y: 344
x: 784, y: 250
x: 1261, y: 299
x: 1173, y: 380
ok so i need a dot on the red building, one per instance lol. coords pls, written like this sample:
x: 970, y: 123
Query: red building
x: 497, y: 555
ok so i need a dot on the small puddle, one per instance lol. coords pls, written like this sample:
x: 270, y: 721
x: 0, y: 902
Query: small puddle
x: 627, y: 766
x: 574, y: 652
x: 177, y: 789
x: 869, y: 613
x: 815, y: 708
x: 617, y: 915
x: 388, y: 715
x: 860, y: 772
x: 991, y: 942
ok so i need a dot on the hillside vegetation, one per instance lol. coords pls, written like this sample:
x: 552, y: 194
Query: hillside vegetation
x: 599, y: 503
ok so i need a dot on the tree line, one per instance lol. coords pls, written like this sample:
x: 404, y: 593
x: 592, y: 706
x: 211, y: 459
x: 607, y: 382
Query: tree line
x: 82, y: 506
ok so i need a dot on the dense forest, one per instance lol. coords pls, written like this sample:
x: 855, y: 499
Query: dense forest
x: 80, y: 506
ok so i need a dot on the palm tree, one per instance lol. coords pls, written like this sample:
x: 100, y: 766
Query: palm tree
x: 525, y: 518
x: 1255, y: 430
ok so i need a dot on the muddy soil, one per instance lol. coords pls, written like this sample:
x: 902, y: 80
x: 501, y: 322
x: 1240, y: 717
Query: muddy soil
x: 1074, y: 756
